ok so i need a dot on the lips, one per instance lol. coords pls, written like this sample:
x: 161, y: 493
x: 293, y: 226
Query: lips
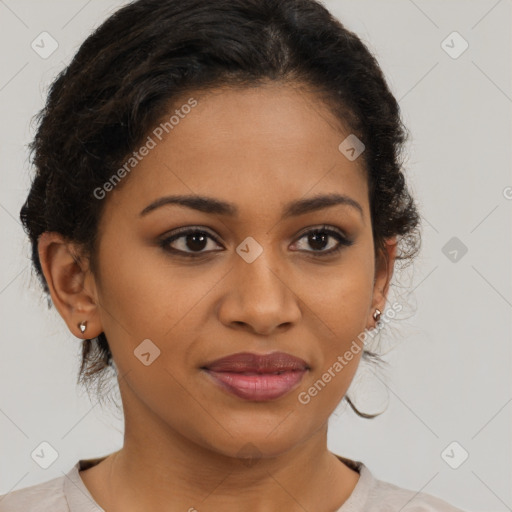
x: 257, y: 377
x: 248, y: 362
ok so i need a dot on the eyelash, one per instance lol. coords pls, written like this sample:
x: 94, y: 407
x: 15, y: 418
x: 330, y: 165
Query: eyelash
x: 165, y: 242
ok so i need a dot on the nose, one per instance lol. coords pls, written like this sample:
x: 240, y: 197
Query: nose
x: 258, y: 298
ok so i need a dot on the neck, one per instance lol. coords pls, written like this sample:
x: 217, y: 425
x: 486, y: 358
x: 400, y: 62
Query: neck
x: 301, y: 479
x: 166, y: 469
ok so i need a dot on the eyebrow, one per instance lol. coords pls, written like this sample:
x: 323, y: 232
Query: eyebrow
x: 215, y: 206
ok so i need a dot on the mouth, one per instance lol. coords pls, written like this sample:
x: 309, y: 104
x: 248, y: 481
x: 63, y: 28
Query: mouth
x: 257, y: 377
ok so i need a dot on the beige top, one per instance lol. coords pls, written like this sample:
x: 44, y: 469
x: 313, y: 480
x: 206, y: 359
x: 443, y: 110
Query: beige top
x: 68, y: 493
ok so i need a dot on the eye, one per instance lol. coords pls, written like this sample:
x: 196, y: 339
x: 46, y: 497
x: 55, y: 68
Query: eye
x: 188, y: 242
x: 318, y: 238
x: 193, y: 242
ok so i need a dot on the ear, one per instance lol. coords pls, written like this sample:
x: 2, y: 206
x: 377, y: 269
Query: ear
x: 383, y: 273
x: 72, y: 286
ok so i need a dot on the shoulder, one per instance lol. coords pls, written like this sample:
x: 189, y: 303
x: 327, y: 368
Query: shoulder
x: 373, y: 495
x: 66, y: 493
x: 407, y: 500
x: 36, y: 498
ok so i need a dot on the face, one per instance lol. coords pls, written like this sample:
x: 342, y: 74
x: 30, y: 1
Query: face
x: 187, y: 285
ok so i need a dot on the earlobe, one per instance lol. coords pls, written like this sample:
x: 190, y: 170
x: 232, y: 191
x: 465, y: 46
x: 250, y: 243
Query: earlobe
x: 383, y: 274
x: 66, y: 276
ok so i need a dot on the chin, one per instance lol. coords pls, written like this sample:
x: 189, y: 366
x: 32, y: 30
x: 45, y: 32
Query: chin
x: 252, y: 444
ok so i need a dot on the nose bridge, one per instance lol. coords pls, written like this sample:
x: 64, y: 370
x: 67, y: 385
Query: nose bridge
x: 259, y: 295
x: 261, y: 279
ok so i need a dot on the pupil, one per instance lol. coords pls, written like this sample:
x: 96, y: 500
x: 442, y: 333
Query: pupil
x: 315, y: 238
x: 194, y: 244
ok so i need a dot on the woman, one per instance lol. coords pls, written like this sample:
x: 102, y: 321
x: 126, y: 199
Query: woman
x: 217, y: 212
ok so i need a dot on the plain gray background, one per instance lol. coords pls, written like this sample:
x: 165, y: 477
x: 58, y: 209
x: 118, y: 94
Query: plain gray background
x: 449, y: 378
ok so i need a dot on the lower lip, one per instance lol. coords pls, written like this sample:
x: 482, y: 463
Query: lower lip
x: 260, y: 387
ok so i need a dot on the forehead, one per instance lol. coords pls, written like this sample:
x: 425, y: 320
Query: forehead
x: 273, y: 142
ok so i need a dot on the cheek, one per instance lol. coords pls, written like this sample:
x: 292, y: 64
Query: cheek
x: 340, y: 315
x: 340, y: 298
x: 140, y: 289
x: 148, y: 298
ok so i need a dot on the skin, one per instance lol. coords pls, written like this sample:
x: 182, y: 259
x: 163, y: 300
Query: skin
x: 260, y: 149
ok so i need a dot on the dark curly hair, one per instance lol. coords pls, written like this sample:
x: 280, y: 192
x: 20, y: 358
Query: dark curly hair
x: 148, y: 54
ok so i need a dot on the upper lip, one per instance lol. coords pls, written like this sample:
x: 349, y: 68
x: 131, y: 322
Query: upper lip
x: 265, y: 363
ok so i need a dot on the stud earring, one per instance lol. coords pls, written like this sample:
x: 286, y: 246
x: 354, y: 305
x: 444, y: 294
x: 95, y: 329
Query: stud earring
x: 376, y: 315
x: 82, y: 326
